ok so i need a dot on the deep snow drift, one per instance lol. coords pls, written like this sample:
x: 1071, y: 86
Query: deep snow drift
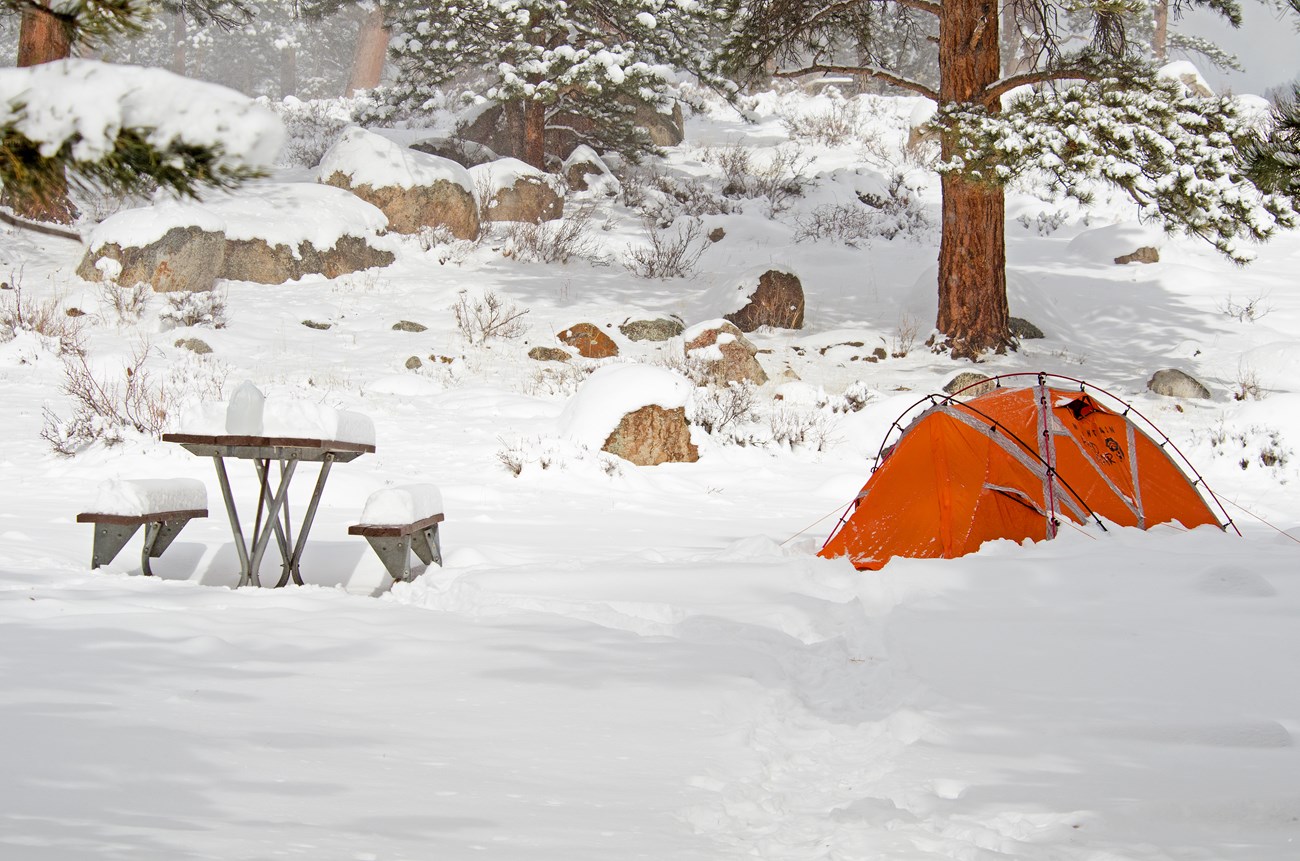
x: 621, y: 662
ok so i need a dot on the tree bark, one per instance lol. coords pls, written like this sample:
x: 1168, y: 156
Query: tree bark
x: 371, y: 52
x: 1160, y: 41
x: 534, y: 142
x: 972, y: 251
x: 289, y: 71
x: 43, y: 38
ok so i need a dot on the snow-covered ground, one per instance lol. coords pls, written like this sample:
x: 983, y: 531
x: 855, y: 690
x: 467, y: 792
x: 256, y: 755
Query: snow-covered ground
x: 623, y: 662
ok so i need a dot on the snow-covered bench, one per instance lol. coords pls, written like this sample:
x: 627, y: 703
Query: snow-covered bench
x: 397, y: 520
x: 162, y: 505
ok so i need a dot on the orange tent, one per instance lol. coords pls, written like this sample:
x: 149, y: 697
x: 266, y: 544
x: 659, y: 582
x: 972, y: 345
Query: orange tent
x: 1009, y: 464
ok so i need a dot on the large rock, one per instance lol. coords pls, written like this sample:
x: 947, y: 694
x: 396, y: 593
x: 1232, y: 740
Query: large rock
x: 1174, y: 383
x: 584, y: 169
x: 653, y: 435
x: 513, y: 191
x: 413, y: 189
x: 502, y: 131
x: 589, y: 341
x: 256, y: 260
x: 774, y: 298
x: 970, y: 384
x: 185, y: 259
x: 725, y: 351
x: 662, y: 329
x: 465, y: 153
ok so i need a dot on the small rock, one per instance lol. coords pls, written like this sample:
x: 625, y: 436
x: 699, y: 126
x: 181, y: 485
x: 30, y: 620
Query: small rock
x: 651, y: 330
x: 194, y: 345
x: 1173, y: 383
x: 445, y: 360
x: 879, y: 354
x: 312, y: 324
x: 979, y: 384
x: 414, y: 363
x: 75, y: 312
x: 549, y: 354
x: 408, y: 326
x: 1023, y: 329
x: 717, y: 234
x: 589, y: 341
x: 1145, y: 254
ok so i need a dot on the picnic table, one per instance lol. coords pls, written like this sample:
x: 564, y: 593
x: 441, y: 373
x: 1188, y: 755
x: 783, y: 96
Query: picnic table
x: 272, y: 516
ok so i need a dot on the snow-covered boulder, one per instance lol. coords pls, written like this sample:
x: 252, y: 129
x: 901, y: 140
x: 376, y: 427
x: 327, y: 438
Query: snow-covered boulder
x: 515, y: 191
x: 725, y: 351
x: 1189, y: 76
x: 268, y: 233
x: 766, y: 297
x: 636, y: 412
x: 589, y: 341
x: 584, y: 170
x: 413, y: 189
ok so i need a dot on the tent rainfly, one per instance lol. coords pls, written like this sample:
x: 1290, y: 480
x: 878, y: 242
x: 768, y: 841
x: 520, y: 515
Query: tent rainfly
x: 1010, y: 464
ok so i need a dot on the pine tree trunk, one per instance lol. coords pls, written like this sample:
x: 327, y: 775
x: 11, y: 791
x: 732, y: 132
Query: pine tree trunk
x: 972, y: 251
x: 180, y: 42
x: 289, y: 71
x: 371, y: 52
x: 1160, y: 41
x: 534, y: 142
x: 43, y: 38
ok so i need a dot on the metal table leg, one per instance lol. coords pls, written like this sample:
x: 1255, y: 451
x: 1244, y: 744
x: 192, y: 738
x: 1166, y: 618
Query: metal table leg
x: 291, y: 563
x: 246, y: 575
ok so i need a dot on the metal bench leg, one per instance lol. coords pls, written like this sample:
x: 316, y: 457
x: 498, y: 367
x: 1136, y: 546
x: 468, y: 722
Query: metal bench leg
x: 395, y: 553
x: 158, y: 536
x: 427, y: 546
x: 110, y: 538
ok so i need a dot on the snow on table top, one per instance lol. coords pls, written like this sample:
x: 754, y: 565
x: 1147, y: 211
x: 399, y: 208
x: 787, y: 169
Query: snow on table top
x: 137, y: 496
x: 374, y: 160
x: 89, y: 103
x: 614, y: 391
x: 407, y: 503
x: 278, y: 213
x: 246, y: 414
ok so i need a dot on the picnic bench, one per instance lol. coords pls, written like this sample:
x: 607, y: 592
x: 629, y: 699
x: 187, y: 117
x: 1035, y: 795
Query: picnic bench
x: 399, y: 520
x: 162, y: 506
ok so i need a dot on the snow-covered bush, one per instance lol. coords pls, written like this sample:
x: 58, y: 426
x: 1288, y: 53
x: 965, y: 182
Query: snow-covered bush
x: 556, y: 241
x: 896, y: 212
x: 487, y: 316
x: 856, y: 396
x: 200, y: 308
x: 61, y: 333
x: 778, y: 177
x: 663, y: 197
x: 313, y: 126
x: 127, y: 304
x: 722, y: 410
x: 839, y: 123
x: 796, y: 426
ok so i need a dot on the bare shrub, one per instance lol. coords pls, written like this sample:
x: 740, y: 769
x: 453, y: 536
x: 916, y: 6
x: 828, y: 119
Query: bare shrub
x: 200, y: 308
x: 49, y: 319
x: 905, y: 335
x: 127, y: 304
x: 562, y: 380
x: 719, y: 409
x: 839, y: 124
x: 448, y: 248
x: 779, y: 177
x: 511, y: 455
x: 105, y: 408
x: 1045, y: 223
x: 672, y: 253
x: 488, y: 316
x: 1245, y: 311
x: 553, y: 241
x: 896, y: 212
x: 1248, y: 385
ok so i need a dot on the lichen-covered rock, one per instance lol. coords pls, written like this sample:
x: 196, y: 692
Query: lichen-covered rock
x: 662, y: 329
x: 414, y: 363
x: 514, y: 191
x: 1023, y: 329
x: 774, y: 299
x: 979, y: 384
x: 725, y: 351
x: 1174, y: 383
x: 589, y: 341
x: 195, y: 345
x: 409, y: 326
x: 653, y: 435
x: 548, y: 354
x: 256, y: 260
x: 184, y: 260
x: 1144, y: 254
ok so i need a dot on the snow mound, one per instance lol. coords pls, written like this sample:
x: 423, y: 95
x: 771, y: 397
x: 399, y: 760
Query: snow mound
x: 276, y: 213
x: 374, y: 160
x: 1104, y: 244
x: 614, y: 391
x: 1188, y: 75
x: 406, y: 503
x: 88, y: 103
x: 134, y: 497
x: 496, y: 176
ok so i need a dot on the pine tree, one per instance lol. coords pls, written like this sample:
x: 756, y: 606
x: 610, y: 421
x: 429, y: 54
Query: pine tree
x: 543, y: 60
x: 1113, y: 122
x: 1273, y: 157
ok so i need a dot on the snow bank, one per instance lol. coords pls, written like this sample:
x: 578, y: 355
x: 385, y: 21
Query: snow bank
x: 277, y: 213
x: 496, y: 176
x: 133, y: 497
x: 88, y: 103
x: 1104, y: 244
x: 403, y: 504
x: 374, y: 160
x: 614, y: 391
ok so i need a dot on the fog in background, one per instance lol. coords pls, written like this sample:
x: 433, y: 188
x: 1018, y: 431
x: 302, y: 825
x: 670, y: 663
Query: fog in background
x: 1267, y: 44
